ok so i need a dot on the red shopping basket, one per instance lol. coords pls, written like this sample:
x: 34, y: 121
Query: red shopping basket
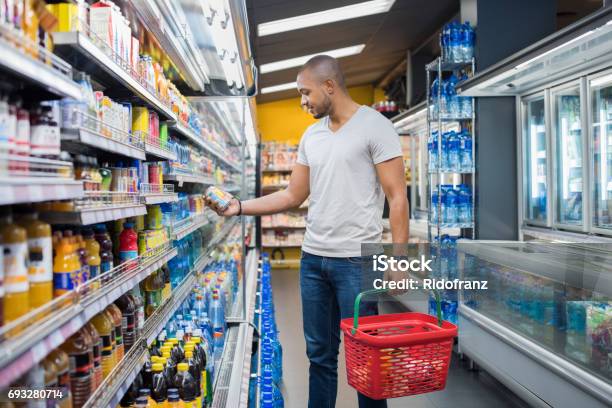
x: 397, y: 355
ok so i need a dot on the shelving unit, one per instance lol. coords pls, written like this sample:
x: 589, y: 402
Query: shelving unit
x: 73, y: 139
x: 94, y: 215
x: 18, y: 190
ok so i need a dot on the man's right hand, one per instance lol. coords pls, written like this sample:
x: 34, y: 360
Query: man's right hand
x: 231, y: 210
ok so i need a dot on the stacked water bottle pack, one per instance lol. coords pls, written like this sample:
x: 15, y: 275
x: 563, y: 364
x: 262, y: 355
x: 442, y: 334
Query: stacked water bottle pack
x: 445, y: 101
x: 455, y: 208
x: 456, y: 152
x: 446, y: 269
x: 271, y: 353
x: 458, y: 42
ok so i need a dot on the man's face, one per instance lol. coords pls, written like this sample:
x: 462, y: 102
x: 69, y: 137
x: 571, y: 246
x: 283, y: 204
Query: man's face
x: 316, y: 98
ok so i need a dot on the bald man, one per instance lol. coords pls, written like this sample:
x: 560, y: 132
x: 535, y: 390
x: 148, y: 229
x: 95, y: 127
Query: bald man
x: 347, y: 162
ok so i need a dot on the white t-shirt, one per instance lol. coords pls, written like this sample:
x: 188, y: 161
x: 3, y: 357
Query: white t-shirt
x: 346, y: 199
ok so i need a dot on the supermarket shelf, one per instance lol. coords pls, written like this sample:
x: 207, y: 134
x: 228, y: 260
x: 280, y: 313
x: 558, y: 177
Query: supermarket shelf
x: 157, y: 151
x: 99, y: 141
x: 150, y: 199
x: 447, y: 65
x: 189, y: 178
x: 17, y: 190
x: 229, y: 225
x: 94, y: 215
x: 28, y: 340
x: 87, y: 56
x: 115, y: 386
x: 57, y: 81
x: 190, y: 225
x: 199, y: 141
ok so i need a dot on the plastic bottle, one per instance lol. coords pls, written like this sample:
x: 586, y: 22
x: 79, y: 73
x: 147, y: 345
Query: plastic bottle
x: 92, y: 252
x: 435, y: 97
x: 205, y: 377
x: 116, y: 316
x: 445, y: 40
x: 147, y: 375
x: 146, y: 393
x: 40, y: 265
x: 174, y: 401
x: 82, y: 253
x: 62, y: 363
x: 140, y: 311
x: 169, y: 369
x: 451, y: 95
x: 186, y: 385
x: 455, y: 41
x: 128, y: 243
x: 433, y: 151
x: 467, y: 41
x: 106, y: 248
x: 450, y: 214
x: 51, y: 373
x: 159, y: 392
x: 465, y: 151
x: 128, y: 312
x: 454, y: 146
x: 81, y: 367
x: 196, y: 373
x: 98, y: 375
x: 105, y: 328
x: 16, y: 285
x: 218, y: 324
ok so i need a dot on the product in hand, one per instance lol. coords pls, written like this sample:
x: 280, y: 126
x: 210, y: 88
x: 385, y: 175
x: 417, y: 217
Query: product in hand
x: 217, y: 199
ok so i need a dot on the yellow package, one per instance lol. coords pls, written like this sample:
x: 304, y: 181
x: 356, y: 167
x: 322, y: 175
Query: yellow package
x: 140, y: 121
x: 67, y: 15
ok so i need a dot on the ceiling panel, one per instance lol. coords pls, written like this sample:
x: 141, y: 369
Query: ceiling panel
x: 387, y: 36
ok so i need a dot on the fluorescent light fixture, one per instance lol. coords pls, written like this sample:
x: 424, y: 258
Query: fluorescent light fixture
x: 278, y: 88
x: 565, y: 44
x: 362, y: 9
x: 601, y: 80
x: 298, y: 61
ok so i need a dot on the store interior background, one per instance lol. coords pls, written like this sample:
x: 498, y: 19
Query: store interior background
x: 392, y: 68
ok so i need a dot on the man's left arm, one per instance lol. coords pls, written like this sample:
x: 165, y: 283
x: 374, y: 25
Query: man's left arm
x: 392, y: 179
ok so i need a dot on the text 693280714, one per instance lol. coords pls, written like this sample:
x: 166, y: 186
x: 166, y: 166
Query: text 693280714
x: 17, y: 394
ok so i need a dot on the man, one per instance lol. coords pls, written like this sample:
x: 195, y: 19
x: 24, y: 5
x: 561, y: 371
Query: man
x: 345, y: 163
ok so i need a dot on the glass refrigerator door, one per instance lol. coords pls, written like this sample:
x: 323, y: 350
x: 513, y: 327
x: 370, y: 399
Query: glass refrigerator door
x: 601, y: 118
x: 569, y: 140
x: 535, y: 153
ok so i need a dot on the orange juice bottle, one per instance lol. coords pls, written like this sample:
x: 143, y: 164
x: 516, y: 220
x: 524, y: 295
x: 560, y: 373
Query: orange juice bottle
x: 40, y: 267
x: 16, y: 284
x: 81, y: 367
x: 116, y: 317
x: 65, y: 270
x: 92, y: 248
x: 106, y: 329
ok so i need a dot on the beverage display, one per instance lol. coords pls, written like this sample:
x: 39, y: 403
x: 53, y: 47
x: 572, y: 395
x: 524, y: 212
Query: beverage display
x: 456, y: 205
x: 457, y: 42
x: 456, y: 152
x: 446, y: 104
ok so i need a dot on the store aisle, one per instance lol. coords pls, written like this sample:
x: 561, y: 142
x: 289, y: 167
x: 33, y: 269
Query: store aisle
x: 465, y: 389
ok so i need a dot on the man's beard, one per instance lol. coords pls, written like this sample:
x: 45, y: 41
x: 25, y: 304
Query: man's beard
x: 326, y: 108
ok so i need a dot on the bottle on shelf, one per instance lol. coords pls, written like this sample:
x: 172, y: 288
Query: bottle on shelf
x: 117, y: 318
x: 98, y: 375
x: 105, y: 328
x: 16, y: 284
x: 81, y: 368
x: 128, y: 310
x: 186, y: 386
x: 159, y: 391
x: 106, y: 248
x: 128, y: 244
x: 62, y: 363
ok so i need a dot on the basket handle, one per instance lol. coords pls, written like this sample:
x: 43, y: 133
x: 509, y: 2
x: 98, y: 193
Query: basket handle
x: 375, y: 291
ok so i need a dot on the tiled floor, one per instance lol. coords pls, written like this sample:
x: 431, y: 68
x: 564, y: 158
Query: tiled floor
x: 465, y: 389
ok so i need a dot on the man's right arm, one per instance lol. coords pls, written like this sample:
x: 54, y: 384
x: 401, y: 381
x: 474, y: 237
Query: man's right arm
x: 291, y: 197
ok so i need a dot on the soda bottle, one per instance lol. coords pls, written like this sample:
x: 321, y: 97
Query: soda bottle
x: 16, y: 284
x: 62, y: 364
x: 169, y: 369
x: 186, y: 386
x: 141, y: 402
x: 117, y: 318
x: 98, y: 375
x: 82, y: 252
x: 128, y: 310
x: 159, y: 392
x: 195, y: 371
x: 92, y: 251
x: 146, y: 393
x: 81, y: 367
x: 128, y: 243
x: 147, y: 375
x: 105, y: 328
x: 106, y: 248
x: 40, y: 265
x: 174, y: 401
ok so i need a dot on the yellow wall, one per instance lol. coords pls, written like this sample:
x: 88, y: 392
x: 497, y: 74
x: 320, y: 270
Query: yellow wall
x: 285, y: 121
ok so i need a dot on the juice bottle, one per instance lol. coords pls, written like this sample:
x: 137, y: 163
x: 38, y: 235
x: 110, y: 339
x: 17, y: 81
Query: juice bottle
x: 106, y: 329
x: 106, y: 248
x: 40, y: 266
x: 81, y: 365
x: 167, y: 290
x: 141, y: 402
x: 186, y: 386
x: 204, y: 377
x: 174, y: 400
x: 16, y: 285
x: 159, y: 392
x: 146, y: 393
x: 65, y: 271
x: 169, y: 369
x: 128, y: 243
x: 98, y: 375
x: 194, y: 370
x: 62, y: 364
x: 152, y: 293
x: 128, y: 309
x: 92, y: 248
x: 82, y: 253
x: 116, y: 316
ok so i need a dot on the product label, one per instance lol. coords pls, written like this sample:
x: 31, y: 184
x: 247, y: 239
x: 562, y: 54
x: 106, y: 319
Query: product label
x: 15, y: 267
x: 41, y: 259
x: 84, y: 274
x: 118, y: 336
x: 45, y: 140
x: 107, y: 346
x: 80, y: 365
x: 127, y: 255
x: 106, y: 266
x: 65, y: 281
x: 94, y: 271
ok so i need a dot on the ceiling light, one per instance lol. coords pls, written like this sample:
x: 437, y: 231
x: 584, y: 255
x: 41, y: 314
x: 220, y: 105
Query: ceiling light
x: 299, y: 61
x: 277, y: 88
x: 362, y: 9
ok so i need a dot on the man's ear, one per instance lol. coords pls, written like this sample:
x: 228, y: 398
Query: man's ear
x: 330, y: 85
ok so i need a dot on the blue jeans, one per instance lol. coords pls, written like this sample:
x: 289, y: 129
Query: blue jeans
x: 329, y: 287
